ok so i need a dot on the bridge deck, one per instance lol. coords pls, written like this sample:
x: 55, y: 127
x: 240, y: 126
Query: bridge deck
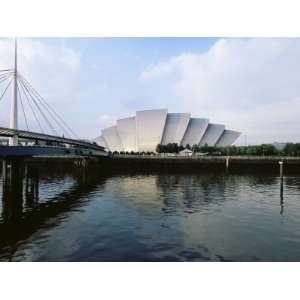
x: 48, y: 138
x: 20, y: 151
x: 77, y: 147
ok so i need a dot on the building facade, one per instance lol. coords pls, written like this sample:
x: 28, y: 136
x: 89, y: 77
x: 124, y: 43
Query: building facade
x: 148, y: 128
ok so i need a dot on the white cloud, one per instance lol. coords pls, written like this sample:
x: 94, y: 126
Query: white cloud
x: 52, y: 70
x: 252, y: 85
x: 105, y: 121
x: 70, y: 58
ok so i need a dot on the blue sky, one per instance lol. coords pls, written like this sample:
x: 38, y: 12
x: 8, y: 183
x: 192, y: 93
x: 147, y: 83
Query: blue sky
x: 250, y: 85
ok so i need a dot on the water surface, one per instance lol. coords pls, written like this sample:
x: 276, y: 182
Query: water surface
x: 76, y: 215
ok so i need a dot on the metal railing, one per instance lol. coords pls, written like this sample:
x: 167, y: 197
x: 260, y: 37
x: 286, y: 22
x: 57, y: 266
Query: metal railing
x: 7, y: 132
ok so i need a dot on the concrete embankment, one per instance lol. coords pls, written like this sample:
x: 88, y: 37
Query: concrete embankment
x: 204, y: 162
x: 160, y: 163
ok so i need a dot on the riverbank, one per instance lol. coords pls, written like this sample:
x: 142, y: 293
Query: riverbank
x: 148, y: 214
x: 203, y: 162
x: 165, y: 163
x: 211, y: 159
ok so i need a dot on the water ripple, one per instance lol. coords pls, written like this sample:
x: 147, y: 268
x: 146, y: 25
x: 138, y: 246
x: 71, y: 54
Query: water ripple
x: 151, y: 217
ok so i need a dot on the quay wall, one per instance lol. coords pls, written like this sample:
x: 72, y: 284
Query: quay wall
x: 203, y: 162
x: 159, y: 163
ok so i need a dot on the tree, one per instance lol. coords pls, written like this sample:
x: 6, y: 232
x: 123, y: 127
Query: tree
x: 196, y: 148
x: 291, y: 149
x: 159, y: 148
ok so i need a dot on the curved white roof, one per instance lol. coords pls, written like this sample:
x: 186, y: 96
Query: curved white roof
x: 175, y: 127
x: 127, y: 133
x: 212, y: 134
x: 227, y: 138
x: 100, y: 141
x: 195, y: 131
x: 149, y: 128
x: 112, y: 138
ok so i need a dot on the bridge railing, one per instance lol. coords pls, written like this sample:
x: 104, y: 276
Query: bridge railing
x: 47, y: 138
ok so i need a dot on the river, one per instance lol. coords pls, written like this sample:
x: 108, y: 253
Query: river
x: 71, y: 214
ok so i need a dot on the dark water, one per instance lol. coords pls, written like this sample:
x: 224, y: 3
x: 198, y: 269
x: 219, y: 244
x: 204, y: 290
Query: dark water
x: 66, y: 214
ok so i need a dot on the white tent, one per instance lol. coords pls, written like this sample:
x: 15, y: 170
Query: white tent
x: 186, y: 152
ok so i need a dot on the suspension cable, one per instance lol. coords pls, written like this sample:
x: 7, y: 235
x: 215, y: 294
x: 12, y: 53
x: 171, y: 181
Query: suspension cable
x: 4, y: 74
x: 54, y: 114
x: 64, y: 131
x: 40, y: 110
x: 4, y: 77
x: 32, y: 110
x: 6, y: 70
x: 22, y: 106
x: 5, y: 90
x: 39, y: 102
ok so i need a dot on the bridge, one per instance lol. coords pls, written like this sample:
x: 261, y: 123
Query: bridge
x: 45, y: 144
x: 57, y: 139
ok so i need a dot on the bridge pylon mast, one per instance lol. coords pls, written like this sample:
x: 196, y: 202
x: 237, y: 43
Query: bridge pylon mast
x: 13, y: 141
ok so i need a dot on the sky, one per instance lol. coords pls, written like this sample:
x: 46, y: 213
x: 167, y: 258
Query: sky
x: 249, y: 84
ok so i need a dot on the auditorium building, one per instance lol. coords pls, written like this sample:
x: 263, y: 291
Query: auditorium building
x: 148, y: 128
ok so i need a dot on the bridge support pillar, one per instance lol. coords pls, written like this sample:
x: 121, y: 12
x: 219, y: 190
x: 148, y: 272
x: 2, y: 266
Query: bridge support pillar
x: 4, y: 169
x: 12, y: 170
x: 31, y: 186
x: 81, y: 162
x: 12, y: 195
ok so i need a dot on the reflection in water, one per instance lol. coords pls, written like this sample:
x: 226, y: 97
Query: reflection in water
x: 281, y: 196
x: 13, y: 190
x: 12, y: 198
x: 87, y: 214
x: 22, y: 214
x: 31, y: 187
x: 186, y: 194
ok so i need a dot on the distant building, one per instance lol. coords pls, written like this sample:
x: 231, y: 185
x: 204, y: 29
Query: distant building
x: 279, y: 146
x: 148, y: 128
x: 186, y: 152
x: 4, y: 141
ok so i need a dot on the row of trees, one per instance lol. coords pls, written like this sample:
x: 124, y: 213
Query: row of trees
x: 130, y: 153
x: 290, y: 149
x: 170, y: 148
